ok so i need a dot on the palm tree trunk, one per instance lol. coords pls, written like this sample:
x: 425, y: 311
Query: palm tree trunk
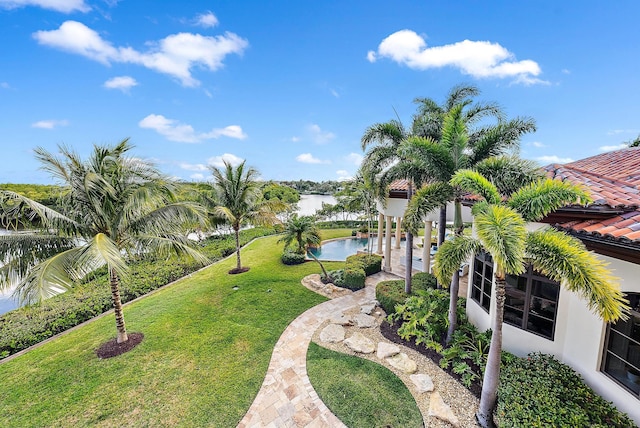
x: 455, y: 281
x: 114, y: 282
x: 237, y: 233
x: 442, y: 230
x: 409, y: 250
x: 492, y: 370
x: 324, y: 271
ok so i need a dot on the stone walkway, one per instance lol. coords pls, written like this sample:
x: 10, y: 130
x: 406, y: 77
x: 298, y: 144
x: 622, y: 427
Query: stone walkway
x: 286, y: 398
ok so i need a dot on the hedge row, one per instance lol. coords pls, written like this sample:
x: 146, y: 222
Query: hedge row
x: 27, y: 326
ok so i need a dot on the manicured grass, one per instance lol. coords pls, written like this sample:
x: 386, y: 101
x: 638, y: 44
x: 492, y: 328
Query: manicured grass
x: 204, y: 356
x: 360, y: 392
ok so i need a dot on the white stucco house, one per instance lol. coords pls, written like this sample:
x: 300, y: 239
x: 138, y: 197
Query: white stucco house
x: 542, y: 316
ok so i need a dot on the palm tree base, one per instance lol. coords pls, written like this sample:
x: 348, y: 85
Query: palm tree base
x: 112, y: 348
x: 235, y: 271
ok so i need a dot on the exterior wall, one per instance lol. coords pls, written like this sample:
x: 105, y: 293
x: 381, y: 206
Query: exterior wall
x: 397, y: 206
x: 579, y: 335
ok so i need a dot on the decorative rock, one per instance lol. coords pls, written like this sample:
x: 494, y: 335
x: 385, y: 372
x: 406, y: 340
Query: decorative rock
x: 367, y: 308
x: 403, y: 363
x: 332, y: 333
x: 364, y: 320
x: 359, y: 343
x: 442, y: 411
x: 340, y: 319
x: 423, y: 382
x: 386, y: 350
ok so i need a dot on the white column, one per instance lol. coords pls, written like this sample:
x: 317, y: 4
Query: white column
x: 398, y: 232
x: 380, y: 232
x: 426, y: 247
x: 387, y: 245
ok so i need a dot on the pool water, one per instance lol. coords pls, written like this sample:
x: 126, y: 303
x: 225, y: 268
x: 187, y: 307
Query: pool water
x: 340, y: 249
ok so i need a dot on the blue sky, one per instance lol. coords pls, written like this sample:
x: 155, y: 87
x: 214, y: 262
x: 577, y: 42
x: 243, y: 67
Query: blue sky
x: 290, y: 86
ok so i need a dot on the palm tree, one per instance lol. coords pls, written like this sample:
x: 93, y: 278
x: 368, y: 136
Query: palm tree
x: 113, y: 206
x: 457, y: 150
x: 304, y: 232
x: 238, y: 201
x: 385, y: 163
x: 501, y: 231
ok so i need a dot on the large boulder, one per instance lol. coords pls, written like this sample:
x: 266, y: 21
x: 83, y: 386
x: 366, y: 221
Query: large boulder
x: 333, y: 333
x: 403, y: 363
x: 359, y: 343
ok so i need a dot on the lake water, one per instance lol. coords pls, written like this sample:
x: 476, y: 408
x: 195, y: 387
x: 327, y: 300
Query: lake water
x: 308, y: 204
x: 7, y: 303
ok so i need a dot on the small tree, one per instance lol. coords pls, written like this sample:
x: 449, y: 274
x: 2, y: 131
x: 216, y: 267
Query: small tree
x: 304, y: 232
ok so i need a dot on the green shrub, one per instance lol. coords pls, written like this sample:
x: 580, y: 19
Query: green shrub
x: 354, y: 278
x: 424, y: 318
x: 27, y: 326
x: 370, y: 263
x: 292, y: 258
x: 337, y: 277
x: 423, y: 280
x: 391, y: 293
x: 540, y: 391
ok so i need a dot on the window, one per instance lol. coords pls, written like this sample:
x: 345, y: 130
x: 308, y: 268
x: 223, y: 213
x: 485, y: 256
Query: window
x: 621, y: 359
x: 531, y: 303
x: 482, y: 278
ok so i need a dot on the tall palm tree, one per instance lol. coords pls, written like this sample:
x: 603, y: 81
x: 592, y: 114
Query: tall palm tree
x: 429, y: 120
x: 113, y: 206
x: 501, y: 231
x: 455, y: 151
x: 304, y: 232
x: 384, y: 163
x: 238, y: 201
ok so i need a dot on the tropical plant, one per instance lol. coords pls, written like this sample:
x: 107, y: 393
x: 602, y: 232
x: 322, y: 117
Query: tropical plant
x: 113, y: 207
x: 501, y: 231
x: 237, y: 199
x: 456, y: 150
x: 303, y: 232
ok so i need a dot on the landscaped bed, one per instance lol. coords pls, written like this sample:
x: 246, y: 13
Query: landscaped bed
x: 205, y: 352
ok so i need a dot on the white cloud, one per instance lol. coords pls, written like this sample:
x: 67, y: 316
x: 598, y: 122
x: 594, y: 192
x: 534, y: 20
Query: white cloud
x: 355, y: 158
x: 343, y: 175
x: 198, y: 177
x: 49, y: 124
x: 64, y: 6
x: 622, y: 131
x: 123, y: 83
x: 295, y: 139
x: 206, y: 20
x: 320, y: 136
x: 335, y: 93
x: 565, y: 71
x: 553, y: 159
x: 538, y: 144
x: 173, y: 130
x: 174, y: 55
x: 308, y: 158
x: 218, y: 161
x: 5, y: 85
x: 193, y: 166
x: 480, y: 59
x: 611, y: 148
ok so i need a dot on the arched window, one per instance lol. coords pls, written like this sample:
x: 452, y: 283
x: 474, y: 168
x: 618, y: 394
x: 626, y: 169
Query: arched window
x: 621, y: 357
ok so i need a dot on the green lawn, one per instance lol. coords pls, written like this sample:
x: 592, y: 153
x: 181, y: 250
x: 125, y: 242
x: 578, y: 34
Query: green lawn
x: 203, y: 359
x: 361, y: 393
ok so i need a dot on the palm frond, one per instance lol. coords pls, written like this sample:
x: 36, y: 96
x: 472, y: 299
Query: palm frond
x: 426, y: 200
x: 475, y: 183
x: 509, y: 173
x: 496, y: 140
x: 566, y: 260
x: 167, y: 245
x: 452, y: 254
x: 389, y: 133
x: 542, y: 197
x: 502, y: 232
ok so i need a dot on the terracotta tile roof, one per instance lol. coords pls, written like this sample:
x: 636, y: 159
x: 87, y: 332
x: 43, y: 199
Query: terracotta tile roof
x: 399, y: 185
x: 625, y: 227
x: 605, y: 191
x: 623, y: 165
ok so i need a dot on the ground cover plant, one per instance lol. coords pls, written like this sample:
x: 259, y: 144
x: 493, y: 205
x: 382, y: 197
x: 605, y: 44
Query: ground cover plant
x: 360, y: 392
x: 203, y: 359
x: 27, y: 326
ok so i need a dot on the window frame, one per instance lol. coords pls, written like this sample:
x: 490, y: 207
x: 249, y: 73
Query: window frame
x: 530, y: 275
x: 607, y: 353
x: 486, y: 261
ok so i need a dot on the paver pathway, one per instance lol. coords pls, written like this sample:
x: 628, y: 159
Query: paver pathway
x: 286, y: 398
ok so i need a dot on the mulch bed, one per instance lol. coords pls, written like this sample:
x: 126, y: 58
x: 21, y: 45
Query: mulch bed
x: 390, y: 332
x: 112, y: 348
x: 235, y: 271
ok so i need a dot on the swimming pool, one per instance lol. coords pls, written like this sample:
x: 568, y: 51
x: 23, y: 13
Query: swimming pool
x: 340, y: 249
